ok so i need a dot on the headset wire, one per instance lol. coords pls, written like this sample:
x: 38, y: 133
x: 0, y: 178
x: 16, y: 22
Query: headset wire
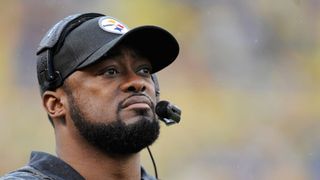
x: 153, y: 162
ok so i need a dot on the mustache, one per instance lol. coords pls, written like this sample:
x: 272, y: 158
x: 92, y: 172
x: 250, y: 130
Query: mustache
x: 122, y: 102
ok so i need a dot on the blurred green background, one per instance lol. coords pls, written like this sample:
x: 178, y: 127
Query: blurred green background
x: 247, y: 80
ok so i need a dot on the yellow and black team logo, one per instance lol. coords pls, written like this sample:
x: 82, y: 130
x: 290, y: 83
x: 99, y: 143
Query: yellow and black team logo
x: 112, y: 25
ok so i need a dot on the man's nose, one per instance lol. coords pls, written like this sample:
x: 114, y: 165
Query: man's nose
x: 133, y: 83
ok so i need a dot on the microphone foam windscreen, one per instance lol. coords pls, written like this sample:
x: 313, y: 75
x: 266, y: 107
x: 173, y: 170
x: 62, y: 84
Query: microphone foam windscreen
x: 162, y: 109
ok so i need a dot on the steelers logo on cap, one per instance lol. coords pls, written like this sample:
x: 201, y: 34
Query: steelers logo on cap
x: 112, y: 25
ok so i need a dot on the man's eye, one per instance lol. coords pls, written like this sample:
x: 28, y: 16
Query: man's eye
x: 145, y: 71
x: 111, y: 71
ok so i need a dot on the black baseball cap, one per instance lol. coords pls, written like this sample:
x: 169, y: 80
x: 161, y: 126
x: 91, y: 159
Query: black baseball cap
x: 90, y: 37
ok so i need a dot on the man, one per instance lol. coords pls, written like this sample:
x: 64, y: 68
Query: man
x: 99, y: 90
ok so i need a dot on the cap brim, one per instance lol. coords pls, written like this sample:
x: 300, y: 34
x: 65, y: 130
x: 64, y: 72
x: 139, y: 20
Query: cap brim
x: 155, y: 43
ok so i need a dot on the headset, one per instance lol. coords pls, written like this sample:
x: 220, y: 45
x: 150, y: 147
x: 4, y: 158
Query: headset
x: 49, y: 78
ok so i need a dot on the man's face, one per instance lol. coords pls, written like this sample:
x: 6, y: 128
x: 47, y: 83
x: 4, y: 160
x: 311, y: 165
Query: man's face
x: 112, y: 103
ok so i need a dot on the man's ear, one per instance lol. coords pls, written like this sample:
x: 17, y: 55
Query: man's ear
x: 54, y: 103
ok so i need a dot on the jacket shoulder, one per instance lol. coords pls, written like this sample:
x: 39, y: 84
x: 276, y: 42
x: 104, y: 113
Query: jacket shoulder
x: 25, y: 173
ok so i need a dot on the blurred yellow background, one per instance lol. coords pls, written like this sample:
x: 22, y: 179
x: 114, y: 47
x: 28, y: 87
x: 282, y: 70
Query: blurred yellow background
x: 247, y: 79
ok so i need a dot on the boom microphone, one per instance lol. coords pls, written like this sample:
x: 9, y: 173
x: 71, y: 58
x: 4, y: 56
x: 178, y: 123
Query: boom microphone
x: 168, y: 113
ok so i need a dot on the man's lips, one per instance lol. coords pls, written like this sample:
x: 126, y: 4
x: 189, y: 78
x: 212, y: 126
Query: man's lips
x: 137, y: 101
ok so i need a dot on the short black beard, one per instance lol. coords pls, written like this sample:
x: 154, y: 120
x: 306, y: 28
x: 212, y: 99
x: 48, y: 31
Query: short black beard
x: 116, y: 137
